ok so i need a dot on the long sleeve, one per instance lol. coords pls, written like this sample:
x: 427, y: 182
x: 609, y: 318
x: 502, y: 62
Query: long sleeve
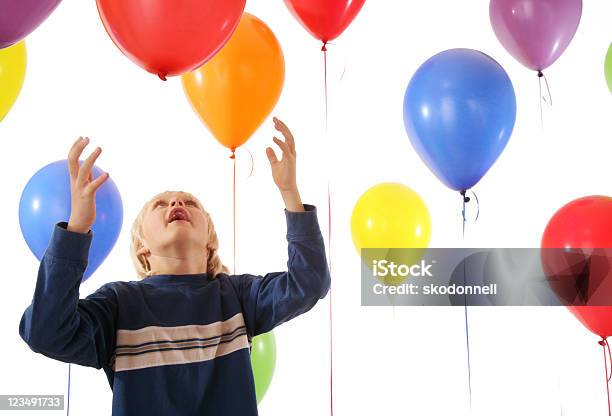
x: 57, y: 323
x: 269, y: 300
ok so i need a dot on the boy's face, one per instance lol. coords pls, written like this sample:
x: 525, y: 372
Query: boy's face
x: 174, y: 223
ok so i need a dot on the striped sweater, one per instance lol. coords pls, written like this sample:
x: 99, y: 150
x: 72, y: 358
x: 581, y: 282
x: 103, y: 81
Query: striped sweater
x: 172, y: 344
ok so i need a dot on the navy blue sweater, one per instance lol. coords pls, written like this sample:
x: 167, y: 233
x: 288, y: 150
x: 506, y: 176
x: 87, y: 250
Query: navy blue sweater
x: 172, y: 344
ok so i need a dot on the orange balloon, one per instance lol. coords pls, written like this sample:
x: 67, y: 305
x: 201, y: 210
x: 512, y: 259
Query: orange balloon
x: 236, y: 90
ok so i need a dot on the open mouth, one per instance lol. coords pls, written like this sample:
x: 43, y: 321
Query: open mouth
x: 178, y: 214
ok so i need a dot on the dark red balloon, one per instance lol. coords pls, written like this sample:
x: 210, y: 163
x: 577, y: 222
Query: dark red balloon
x: 325, y: 19
x: 170, y: 38
x: 582, y: 278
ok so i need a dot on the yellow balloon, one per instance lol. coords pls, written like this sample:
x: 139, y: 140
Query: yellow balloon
x: 390, y: 216
x: 12, y: 74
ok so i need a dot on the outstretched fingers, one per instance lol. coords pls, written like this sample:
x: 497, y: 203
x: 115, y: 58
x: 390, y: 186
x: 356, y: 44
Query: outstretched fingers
x: 282, y: 127
x: 283, y: 145
x: 271, y: 155
x: 85, y: 171
x: 93, y: 186
x: 73, y: 156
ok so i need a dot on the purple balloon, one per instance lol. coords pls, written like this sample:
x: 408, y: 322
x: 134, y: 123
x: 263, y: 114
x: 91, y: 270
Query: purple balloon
x: 18, y: 18
x: 535, y: 32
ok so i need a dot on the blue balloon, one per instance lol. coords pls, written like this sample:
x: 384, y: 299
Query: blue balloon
x: 45, y: 201
x: 459, y: 112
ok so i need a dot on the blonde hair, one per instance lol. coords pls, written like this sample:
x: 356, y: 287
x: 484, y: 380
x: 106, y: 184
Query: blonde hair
x: 214, y: 266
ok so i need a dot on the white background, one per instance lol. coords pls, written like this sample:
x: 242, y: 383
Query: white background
x: 527, y: 361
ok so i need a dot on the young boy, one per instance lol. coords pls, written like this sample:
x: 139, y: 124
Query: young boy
x: 178, y: 341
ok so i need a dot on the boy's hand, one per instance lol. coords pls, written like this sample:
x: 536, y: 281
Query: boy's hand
x: 283, y: 171
x: 83, y: 187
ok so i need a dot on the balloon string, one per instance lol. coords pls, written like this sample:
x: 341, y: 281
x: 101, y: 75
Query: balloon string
x: 544, y: 98
x: 252, y: 163
x: 465, y: 200
x: 605, y: 345
x: 467, y: 336
x: 548, y: 98
x: 610, y: 357
x: 560, y: 399
x: 324, y: 49
x: 331, y: 344
x: 233, y: 156
x: 68, y: 400
x: 329, y: 224
x: 540, y: 100
x: 477, y: 205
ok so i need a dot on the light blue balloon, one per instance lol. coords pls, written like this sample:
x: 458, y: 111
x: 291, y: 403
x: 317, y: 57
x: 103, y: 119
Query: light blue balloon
x: 45, y: 201
x: 459, y: 112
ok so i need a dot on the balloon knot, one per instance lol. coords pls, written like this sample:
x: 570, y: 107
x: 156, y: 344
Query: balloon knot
x: 466, y: 199
x: 540, y: 74
x: 233, y: 155
x: 324, y: 47
x: 162, y: 76
x: 603, y: 342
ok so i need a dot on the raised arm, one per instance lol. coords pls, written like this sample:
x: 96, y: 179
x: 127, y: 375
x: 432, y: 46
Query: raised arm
x: 270, y: 300
x: 267, y: 301
x: 57, y: 323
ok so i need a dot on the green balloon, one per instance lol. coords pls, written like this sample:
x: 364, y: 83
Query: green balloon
x: 263, y: 361
x: 608, y: 67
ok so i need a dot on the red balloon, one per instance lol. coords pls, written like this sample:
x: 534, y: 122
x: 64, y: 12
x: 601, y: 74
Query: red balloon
x: 582, y: 278
x: 170, y: 38
x: 325, y: 19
